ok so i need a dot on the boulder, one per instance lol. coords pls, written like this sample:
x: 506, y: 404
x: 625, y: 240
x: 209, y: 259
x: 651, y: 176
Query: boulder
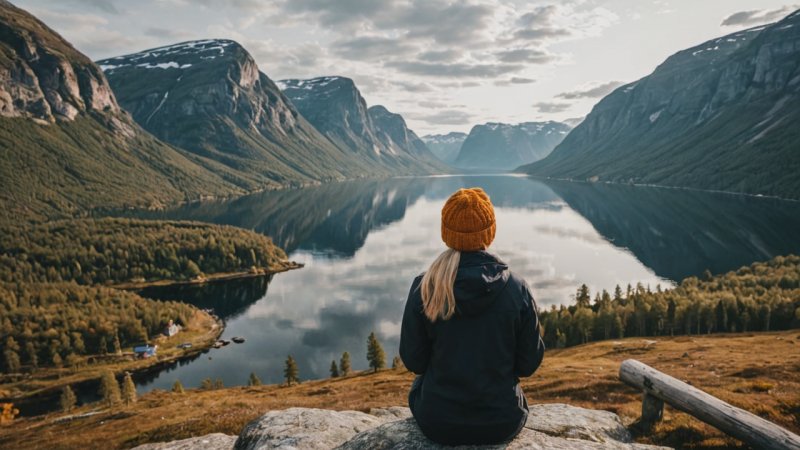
x: 553, y: 426
x: 215, y: 441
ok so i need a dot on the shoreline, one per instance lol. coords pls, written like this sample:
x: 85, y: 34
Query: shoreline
x: 213, y: 278
x: 54, y: 382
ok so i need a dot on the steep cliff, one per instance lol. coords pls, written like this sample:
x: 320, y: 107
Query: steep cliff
x: 210, y: 98
x: 503, y: 146
x: 335, y: 107
x: 67, y: 146
x: 720, y: 115
x: 445, y: 146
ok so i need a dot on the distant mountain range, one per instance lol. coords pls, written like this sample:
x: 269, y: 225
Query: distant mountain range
x: 335, y: 107
x: 67, y: 145
x: 505, y: 147
x: 445, y: 146
x: 721, y: 115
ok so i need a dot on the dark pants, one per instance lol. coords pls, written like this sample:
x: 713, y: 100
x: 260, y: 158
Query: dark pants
x: 450, y: 434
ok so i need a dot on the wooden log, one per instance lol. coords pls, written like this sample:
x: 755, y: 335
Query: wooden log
x: 749, y: 428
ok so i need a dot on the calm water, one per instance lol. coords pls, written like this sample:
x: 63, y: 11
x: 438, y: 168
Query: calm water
x: 363, y: 242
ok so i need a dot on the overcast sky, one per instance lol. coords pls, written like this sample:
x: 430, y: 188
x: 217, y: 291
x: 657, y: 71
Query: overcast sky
x: 444, y: 65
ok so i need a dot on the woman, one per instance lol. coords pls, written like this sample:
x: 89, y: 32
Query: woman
x: 470, y: 329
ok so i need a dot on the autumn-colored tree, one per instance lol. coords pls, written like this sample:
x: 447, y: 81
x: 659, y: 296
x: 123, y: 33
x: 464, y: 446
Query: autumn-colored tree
x: 253, y: 380
x: 128, y: 389
x: 344, y: 364
x: 67, y: 399
x: 177, y: 387
x: 109, y: 389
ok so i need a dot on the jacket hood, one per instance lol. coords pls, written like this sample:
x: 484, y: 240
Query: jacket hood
x: 480, y: 278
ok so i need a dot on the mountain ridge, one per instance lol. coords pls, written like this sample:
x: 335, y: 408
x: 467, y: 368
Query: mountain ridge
x: 715, y: 116
x: 495, y: 145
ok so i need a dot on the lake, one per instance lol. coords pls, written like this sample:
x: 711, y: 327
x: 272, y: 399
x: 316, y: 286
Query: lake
x: 362, y: 242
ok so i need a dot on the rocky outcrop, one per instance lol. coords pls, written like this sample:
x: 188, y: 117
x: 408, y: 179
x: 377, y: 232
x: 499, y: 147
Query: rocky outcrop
x: 215, y: 441
x: 721, y: 115
x: 43, y: 76
x: 501, y: 146
x: 392, y: 131
x: 553, y: 426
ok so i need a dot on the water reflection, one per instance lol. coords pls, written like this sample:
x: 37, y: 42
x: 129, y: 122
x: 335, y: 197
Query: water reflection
x: 679, y: 233
x: 364, y: 241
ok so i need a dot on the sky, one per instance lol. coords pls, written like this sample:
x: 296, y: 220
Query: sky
x: 444, y: 65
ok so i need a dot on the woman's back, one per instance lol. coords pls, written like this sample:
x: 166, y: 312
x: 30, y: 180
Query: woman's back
x: 469, y: 363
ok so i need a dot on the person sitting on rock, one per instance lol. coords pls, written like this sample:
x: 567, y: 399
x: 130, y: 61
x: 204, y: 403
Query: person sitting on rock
x: 470, y: 330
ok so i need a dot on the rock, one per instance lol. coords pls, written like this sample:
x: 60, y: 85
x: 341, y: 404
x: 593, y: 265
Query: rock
x: 307, y: 428
x: 555, y: 426
x: 406, y: 435
x: 215, y: 441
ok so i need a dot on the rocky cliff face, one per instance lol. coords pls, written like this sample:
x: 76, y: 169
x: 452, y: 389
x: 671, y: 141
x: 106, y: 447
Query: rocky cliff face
x: 393, y: 133
x: 67, y: 146
x: 210, y: 98
x: 720, y: 115
x: 445, y: 146
x: 548, y: 427
x: 43, y: 76
x: 335, y: 107
x: 503, y: 146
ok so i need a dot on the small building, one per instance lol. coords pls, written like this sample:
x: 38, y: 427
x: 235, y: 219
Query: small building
x: 171, y: 329
x: 145, y: 350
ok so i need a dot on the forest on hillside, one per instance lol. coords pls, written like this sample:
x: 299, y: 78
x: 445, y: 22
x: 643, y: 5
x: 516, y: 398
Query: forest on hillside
x: 56, y: 324
x: 111, y: 250
x: 764, y: 296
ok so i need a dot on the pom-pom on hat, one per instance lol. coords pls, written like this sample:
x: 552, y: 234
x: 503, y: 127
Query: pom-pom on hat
x: 468, y: 221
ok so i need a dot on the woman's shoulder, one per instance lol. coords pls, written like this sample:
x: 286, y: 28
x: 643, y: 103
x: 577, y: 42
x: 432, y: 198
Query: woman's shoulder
x: 518, y: 286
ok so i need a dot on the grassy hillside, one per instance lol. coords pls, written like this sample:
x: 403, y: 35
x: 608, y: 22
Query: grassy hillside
x: 758, y: 372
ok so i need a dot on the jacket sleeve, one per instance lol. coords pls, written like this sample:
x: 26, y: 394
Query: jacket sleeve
x: 415, y: 345
x: 530, y: 346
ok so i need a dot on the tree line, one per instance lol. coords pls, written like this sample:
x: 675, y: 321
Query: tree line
x: 115, y: 250
x: 764, y: 296
x: 58, y: 324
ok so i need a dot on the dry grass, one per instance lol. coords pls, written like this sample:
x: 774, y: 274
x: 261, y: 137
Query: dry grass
x: 757, y: 372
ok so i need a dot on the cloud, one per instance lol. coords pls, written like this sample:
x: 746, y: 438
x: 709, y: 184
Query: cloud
x: 551, y: 107
x: 106, y: 6
x: 454, y: 70
x: 525, y: 55
x: 167, y: 33
x: 592, y: 91
x: 444, y: 117
x: 448, y: 55
x: 372, y: 48
x: 521, y: 80
x: 757, y: 16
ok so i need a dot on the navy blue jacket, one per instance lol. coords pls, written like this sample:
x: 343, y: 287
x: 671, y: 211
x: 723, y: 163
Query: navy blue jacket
x: 469, y: 366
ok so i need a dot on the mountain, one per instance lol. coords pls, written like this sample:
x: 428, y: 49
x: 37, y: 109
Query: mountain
x: 336, y: 108
x: 721, y: 115
x: 445, y: 146
x: 503, y: 146
x: 392, y: 131
x: 66, y: 145
x: 210, y: 98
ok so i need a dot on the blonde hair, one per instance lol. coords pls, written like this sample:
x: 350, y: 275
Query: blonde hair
x: 438, y: 300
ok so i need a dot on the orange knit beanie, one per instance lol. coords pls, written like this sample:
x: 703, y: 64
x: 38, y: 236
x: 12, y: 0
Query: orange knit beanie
x: 468, y: 220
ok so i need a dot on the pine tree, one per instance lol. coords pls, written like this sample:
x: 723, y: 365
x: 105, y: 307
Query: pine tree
x: 218, y: 384
x: 290, y: 372
x: 128, y: 389
x: 397, y: 363
x: 33, y: 358
x: 334, y: 369
x: 253, y: 380
x: 67, y: 399
x: 178, y: 387
x: 375, y: 354
x: 344, y: 364
x: 207, y: 384
x: 11, y: 360
x: 103, y: 346
x: 109, y: 389
x: 582, y: 297
x: 117, y: 345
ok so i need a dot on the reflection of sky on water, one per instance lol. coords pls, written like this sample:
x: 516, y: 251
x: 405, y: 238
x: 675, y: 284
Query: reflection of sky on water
x: 332, y: 304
